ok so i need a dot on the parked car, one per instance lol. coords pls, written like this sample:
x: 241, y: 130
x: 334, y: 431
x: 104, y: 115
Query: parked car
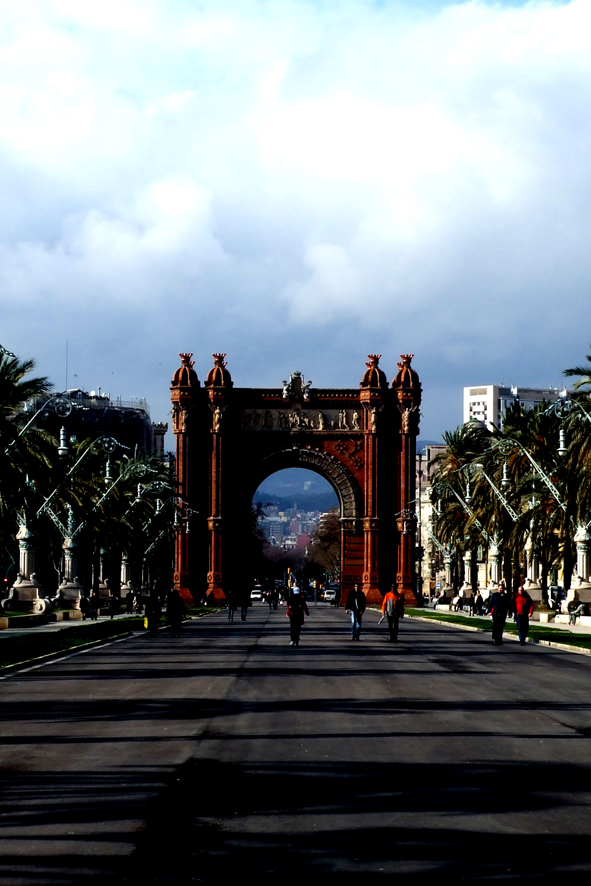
x: 330, y: 596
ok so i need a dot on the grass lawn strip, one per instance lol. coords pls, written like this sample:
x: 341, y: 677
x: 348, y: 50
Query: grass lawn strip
x: 548, y: 636
x: 32, y: 646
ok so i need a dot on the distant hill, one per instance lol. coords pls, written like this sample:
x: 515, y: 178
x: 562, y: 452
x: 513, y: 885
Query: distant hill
x: 294, y: 481
x: 303, y: 501
x: 306, y: 490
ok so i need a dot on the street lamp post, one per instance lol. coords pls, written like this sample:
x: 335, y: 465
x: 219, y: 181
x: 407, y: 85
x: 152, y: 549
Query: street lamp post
x: 467, y: 588
x: 447, y: 553
x: 580, y: 588
x: 70, y: 589
x: 495, y: 550
x: 25, y: 593
x: 61, y: 405
x: 532, y: 552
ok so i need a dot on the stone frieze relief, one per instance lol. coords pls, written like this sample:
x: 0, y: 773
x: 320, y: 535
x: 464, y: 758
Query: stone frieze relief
x: 301, y: 420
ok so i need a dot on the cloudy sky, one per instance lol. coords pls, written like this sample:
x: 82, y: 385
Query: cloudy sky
x: 297, y: 183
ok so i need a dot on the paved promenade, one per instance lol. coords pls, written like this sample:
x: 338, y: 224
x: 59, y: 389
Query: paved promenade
x: 228, y: 753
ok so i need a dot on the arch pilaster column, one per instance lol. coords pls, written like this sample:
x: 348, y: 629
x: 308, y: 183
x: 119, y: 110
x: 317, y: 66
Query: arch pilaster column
x: 407, y: 390
x: 183, y: 463
x: 219, y: 386
x: 215, y: 585
x: 182, y: 393
x: 371, y: 399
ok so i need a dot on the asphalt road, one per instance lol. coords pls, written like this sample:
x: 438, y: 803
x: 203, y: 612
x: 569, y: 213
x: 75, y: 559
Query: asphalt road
x: 229, y: 754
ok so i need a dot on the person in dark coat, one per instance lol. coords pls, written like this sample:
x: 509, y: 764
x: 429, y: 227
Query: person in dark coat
x: 175, y: 612
x: 113, y: 606
x: 84, y: 606
x: 356, y: 603
x: 94, y: 605
x: 296, y: 609
x: 498, y: 608
x: 231, y: 597
x: 244, y: 598
x: 153, y: 613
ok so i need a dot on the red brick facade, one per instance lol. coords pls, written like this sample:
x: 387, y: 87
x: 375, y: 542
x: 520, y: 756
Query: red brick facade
x: 362, y: 441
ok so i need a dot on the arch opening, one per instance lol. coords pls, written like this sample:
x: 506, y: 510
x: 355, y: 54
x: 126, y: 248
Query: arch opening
x: 296, y: 521
x: 329, y: 468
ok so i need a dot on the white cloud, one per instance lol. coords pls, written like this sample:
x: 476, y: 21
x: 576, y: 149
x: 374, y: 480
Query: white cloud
x: 297, y: 178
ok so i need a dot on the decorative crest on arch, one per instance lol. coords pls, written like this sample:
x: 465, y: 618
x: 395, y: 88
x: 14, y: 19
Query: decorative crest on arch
x: 296, y: 388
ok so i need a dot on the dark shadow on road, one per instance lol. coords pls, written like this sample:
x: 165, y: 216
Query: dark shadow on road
x: 187, y: 709
x: 215, y: 820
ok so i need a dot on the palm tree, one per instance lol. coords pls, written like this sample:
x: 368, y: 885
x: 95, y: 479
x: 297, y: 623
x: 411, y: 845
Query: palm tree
x: 24, y: 457
x: 584, y: 373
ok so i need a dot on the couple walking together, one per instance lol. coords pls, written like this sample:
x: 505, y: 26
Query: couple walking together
x: 392, y: 610
x: 501, y: 605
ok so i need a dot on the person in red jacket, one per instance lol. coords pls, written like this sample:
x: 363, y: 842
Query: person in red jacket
x: 393, y: 609
x: 522, y: 606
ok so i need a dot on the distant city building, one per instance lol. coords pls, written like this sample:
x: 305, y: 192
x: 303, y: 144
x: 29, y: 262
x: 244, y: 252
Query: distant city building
x: 288, y: 532
x: 308, y: 526
x: 159, y: 429
x: 488, y: 403
x: 94, y: 414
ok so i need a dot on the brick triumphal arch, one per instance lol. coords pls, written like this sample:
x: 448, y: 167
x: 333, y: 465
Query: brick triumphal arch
x: 229, y: 439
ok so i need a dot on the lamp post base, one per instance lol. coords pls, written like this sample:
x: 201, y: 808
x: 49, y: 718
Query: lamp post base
x: 24, y: 597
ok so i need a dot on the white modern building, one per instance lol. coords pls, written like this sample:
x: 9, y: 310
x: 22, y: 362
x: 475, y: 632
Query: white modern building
x: 488, y: 403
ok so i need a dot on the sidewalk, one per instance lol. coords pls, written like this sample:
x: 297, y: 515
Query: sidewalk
x: 575, y: 629
x: 61, y: 625
x: 567, y: 638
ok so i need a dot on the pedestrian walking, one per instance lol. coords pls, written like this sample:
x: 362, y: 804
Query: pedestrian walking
x: 175, y: 612
x: 522, y: 607
x: 296, y: 609
x: 244, y: 597
x: 231, y: 605
x: 129, y: 603
x: 498, y: 608
x: 94, y: 605
x: 393, y: 609
x: 84, y: 606
x: 356, y: 603
x: 113, y: 605
x: 478, y: 604
x: 153, y: 613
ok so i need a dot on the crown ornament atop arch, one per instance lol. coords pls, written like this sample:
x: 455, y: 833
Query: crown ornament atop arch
x: 219, y: 377
x: 185, y: 376
x: 374, y: 377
